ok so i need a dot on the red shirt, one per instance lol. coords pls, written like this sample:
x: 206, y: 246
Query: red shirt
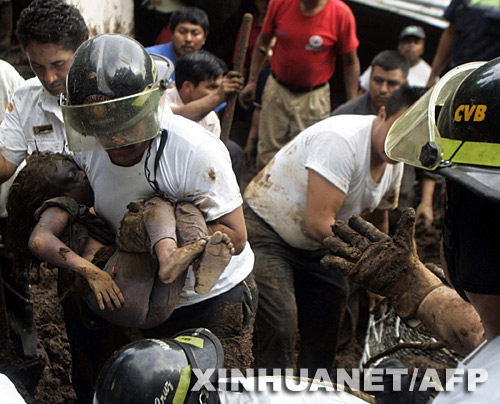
x: 307, y: 46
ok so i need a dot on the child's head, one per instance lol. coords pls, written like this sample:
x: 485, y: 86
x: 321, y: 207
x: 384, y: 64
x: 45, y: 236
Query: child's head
x: 48, y: 175
x: 45, y: 176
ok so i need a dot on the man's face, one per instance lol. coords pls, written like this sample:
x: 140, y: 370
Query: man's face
x: 205, y: 88
x: 383, y: 83
x: 187, y: 38
x: 412, y: 48
x: 127, y: 156
x: 50, y: 63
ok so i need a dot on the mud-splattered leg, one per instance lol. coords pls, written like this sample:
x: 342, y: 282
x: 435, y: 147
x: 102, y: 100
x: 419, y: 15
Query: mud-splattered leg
x: 191, y: 226
x: 160, y: 223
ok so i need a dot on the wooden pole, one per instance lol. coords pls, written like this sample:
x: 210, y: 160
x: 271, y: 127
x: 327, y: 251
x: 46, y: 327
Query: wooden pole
x: 241, y: 50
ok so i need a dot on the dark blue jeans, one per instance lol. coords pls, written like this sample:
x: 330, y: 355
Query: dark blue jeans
x: 298, y: 297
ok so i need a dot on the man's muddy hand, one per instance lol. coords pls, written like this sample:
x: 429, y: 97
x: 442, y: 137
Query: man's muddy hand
x: 385, y: 266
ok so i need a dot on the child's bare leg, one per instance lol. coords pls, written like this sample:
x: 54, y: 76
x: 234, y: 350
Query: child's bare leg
x: 191, y: 226
x: 159, y: 221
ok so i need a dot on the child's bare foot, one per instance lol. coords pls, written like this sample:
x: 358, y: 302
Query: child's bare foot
x: 212, y: 262
x: 175, y: 262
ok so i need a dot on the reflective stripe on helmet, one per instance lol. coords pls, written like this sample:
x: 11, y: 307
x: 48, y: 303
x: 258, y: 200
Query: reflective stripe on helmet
x: 183, y: 386
x: 474, y: 153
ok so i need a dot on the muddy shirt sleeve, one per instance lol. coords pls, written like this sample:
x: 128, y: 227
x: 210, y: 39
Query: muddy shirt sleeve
x: 79, y: 215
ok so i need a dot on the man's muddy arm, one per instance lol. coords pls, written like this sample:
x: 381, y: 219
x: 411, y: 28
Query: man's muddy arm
x: 452, y: 319
x: 232, y: 224
x: 390, y: 267
x: 324, y: 200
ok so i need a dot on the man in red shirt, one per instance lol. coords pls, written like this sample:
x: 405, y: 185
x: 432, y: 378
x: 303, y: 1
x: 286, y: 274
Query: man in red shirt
x: 310, y: 34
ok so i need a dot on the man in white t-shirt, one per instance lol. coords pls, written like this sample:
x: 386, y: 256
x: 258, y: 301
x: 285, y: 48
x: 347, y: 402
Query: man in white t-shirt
x: 129, y: 153
x: 412, y: 45
x: 331, y: 170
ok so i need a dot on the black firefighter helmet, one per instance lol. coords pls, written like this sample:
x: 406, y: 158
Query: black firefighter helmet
x: 112, y: 85
x: 455, y: 129
x: 161, y: 370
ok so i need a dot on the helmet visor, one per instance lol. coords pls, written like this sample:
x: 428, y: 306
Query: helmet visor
x: 414, y: 137
x: 114, y: 123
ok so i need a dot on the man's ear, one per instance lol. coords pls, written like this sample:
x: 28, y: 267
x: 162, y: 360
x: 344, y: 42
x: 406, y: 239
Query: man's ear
x: 187, y: 87
x: 381, y: 113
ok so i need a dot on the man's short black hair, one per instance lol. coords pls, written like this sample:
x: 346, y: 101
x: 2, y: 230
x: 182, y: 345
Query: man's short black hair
x: 404, y: 96
x: 198, y: 66
x: 52, y: 21
x: 391, y: 60
x: 193, y: 15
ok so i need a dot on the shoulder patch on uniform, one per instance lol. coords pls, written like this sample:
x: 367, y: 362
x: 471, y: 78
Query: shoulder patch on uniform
x: 10, y: 107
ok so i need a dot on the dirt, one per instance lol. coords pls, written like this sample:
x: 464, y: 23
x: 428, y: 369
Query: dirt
x: 54, y: 384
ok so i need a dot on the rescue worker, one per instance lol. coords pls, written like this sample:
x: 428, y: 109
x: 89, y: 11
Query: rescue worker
x: 49, y: 31
x: 454, y: 130
x: 129, y: 151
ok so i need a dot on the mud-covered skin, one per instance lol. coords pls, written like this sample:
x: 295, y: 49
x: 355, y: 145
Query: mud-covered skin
x: 213, y: 261
x: 191, y: 227
x: 383, y: 265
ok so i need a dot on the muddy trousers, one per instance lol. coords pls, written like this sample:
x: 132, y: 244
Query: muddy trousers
x: 300, y: 301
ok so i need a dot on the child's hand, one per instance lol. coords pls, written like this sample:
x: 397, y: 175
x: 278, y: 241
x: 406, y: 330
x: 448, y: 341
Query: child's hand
x: 105, y: 289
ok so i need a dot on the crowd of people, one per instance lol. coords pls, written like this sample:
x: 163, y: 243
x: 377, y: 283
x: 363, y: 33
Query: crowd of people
x: 140, y: 205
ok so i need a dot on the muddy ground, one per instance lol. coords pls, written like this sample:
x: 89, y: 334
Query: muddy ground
x: 54, y: 384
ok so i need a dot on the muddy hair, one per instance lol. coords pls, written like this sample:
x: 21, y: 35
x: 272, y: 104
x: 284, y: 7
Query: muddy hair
x: 30, y: 189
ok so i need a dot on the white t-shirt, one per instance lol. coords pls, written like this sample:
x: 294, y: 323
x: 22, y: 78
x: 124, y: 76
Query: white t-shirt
x: 487, y: 357
x: 195, y: 166
x: 338, y: 148
x: 10, y: 80
x: 418, y: 75
x: 210, y: 121
x: 8, y: 392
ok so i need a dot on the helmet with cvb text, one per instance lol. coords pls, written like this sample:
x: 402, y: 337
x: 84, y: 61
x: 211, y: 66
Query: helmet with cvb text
x: 455, y: 129
x: 161, y: 371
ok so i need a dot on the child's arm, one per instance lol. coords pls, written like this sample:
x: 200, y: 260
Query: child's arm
x: 46, y: 245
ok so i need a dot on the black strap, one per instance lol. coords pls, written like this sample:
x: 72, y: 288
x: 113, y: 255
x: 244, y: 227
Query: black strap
x: 153, y: 182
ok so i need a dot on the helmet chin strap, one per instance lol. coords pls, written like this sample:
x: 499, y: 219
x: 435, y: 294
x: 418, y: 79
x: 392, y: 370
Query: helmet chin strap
x: 153, y: 182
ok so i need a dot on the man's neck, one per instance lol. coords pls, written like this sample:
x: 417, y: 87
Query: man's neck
x: 374, y: 108
x: 377, y: 164
x: 312, y: 7
x: 414, y: 63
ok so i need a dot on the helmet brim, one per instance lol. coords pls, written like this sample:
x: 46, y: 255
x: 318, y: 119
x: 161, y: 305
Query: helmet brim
x: 483, y: 181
